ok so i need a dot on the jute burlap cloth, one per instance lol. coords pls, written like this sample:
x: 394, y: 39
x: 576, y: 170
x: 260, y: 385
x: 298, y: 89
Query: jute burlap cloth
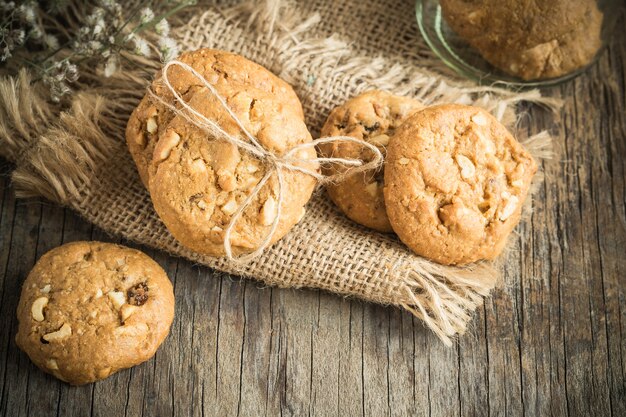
x: 74, y: 153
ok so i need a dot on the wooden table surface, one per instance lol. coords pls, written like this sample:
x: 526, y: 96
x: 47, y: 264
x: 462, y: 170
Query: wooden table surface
x: 550, y: 341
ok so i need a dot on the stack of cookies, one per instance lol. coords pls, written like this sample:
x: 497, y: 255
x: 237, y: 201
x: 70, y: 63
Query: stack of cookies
x: 198, y: 182
x: 452, y: 187
x: 453, y: 182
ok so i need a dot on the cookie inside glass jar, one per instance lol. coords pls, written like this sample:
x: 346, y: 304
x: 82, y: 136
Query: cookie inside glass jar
x: 531, y: 40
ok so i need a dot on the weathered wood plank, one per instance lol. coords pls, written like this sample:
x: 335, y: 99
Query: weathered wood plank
x: 350, y: 384
x: 326, y: 354
x: 50, y: 236
x: 401, y: 373
x: 22, y: 255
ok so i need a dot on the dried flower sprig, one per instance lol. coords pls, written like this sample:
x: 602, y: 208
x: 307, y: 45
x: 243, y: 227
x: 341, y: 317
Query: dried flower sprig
x: 106, y: 33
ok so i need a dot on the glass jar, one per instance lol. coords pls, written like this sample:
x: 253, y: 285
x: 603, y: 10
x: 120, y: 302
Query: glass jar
x: 516, y: 42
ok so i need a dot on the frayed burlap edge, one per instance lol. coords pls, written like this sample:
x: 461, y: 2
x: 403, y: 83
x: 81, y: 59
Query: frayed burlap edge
x: 71, y: 158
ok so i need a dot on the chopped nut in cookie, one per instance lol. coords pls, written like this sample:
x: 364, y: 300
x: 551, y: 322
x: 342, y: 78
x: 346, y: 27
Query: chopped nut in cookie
x: 467, y: 167
x: 151, y: 125
x: 62, y: 333
x: 164, y: 147
x: 117, y: 298
x: 269, y: 211
x: 372, y: 188
x: 226, y: 180
x: 479, y: 119
x: 126, y: 311
x: 230, y: 207
x: 509, y: 208
x: 37, y: 308
x: 52, y: 364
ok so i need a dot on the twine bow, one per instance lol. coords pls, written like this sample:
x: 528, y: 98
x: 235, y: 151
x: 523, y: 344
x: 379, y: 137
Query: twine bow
x: 274, y: 163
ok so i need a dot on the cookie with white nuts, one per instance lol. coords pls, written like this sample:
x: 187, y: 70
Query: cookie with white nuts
x: 89, y: 309
x: 455, y: 182
x: 198, y: 182
x: 372, y: 116
x: 221, y: 69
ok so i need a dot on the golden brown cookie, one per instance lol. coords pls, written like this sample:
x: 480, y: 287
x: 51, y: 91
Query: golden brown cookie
x: 455, y: 182
x: 197, y: 182
x: 531, y: 40
x: 221, y: 69
x: 89, y: 309
x: 372, y: 116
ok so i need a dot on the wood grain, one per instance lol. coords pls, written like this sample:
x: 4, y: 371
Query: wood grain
x: 550, y: 341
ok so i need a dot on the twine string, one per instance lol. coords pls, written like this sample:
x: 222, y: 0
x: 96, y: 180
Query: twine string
x: 274, y: 163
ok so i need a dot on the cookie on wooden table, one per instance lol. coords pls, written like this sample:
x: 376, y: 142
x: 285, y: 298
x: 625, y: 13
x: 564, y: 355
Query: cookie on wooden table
x: 220, y: 68
x: 455, y: 183
x: 89, y: 309
x: 372, y: 116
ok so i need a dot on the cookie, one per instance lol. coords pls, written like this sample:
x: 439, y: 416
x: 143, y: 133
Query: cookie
x: 372, y: 116
x: 197, y: 182
x: 89, y: 309
x: 220, y: 68
x: 455, y: 182
x: 530, y: 40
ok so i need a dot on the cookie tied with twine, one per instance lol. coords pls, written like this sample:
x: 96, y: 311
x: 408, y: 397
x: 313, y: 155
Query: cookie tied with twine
x: 274, y: 164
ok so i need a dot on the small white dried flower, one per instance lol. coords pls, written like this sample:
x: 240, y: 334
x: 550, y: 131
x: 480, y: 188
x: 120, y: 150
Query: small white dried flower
x: 36, y: 32
x: 162, y: 28
x: 98, y: 27
x: 97, y: 13
x: 141, y: 46
x: 7, y: 5
x: 17, y: 36
x: 94, y: 47
x: 168, y: 48
x: 27, y: 12
x: 146, y: 15
x: 71, y: 72
x: 58, y: 90
x: 6, y: 54
x: 111, y: 65
x: 51, y: 41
